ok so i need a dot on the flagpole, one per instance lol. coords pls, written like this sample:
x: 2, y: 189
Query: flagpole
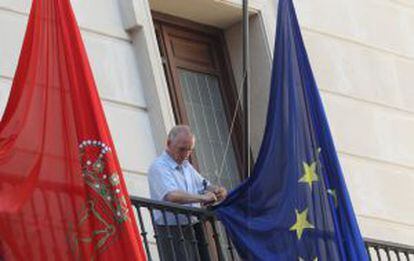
x: 246, y: 89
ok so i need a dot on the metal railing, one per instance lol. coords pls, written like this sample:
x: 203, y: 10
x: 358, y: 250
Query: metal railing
x: 381, y: 250
x: 174, y: 232
x: 187, y: 233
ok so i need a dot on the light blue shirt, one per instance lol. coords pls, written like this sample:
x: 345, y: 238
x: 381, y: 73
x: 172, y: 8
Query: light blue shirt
x: 166, y: 175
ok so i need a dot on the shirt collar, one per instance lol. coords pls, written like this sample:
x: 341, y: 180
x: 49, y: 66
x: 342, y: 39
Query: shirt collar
x: 171, y: 162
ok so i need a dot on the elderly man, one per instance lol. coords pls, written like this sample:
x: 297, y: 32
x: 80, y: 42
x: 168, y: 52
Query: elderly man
x: 172, y: 178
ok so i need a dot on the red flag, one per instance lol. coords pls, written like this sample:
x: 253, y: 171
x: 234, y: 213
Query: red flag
x: 62, y: 193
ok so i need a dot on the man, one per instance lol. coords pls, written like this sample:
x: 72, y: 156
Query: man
x: 172, y: 178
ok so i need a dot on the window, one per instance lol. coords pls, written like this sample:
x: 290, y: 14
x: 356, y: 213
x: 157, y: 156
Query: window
x: 203, y: 94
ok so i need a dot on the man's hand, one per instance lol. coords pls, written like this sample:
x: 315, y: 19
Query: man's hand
x: 208, y: 198
x: 220, y: 192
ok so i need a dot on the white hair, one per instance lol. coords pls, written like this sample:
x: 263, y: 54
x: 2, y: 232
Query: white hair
x: 178, y: 129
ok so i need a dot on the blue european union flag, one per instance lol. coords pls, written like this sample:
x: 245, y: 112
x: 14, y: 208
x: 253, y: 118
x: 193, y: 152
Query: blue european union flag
x: 295, y: 206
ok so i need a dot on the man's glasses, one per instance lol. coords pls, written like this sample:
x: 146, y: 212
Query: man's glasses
x: 185, y: 149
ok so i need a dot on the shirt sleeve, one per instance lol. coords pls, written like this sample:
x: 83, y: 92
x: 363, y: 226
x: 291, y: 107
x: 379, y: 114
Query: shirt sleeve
x: 161, y: 182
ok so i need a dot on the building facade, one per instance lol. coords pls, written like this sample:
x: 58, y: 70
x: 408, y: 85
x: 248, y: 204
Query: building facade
x: 147, y: 54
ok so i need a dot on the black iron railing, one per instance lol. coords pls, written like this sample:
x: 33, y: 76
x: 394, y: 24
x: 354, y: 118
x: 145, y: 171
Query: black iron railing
x: 185, y: 233
x: 381, y: 250
x: 181, y: 233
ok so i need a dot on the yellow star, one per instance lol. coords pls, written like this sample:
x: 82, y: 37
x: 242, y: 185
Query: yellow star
x: 301, y: 223
x: 309, y: 174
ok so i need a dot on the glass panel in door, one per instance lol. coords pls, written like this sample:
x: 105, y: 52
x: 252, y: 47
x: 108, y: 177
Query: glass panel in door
x: 206, y: 115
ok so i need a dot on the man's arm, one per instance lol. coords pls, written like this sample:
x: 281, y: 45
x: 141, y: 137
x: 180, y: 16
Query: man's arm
x: 181, y: 197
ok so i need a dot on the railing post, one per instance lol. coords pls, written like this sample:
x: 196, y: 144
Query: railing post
x: 230, y: 247
x: 143, y: 233
x: 203, y: 240
x: 387, y: 252
x: 151, y: 211
x: 216, y: 238
x: 398, y: 255
x: 368, y: 252
x: 182, y: 238
x: 194, y: 241
x: 169, y: 235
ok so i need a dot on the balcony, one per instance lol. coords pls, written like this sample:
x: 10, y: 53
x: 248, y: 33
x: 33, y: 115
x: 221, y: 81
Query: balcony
x: 185, y: 242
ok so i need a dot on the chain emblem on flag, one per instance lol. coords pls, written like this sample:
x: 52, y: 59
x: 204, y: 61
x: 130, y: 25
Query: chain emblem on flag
x: 94, y: 156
